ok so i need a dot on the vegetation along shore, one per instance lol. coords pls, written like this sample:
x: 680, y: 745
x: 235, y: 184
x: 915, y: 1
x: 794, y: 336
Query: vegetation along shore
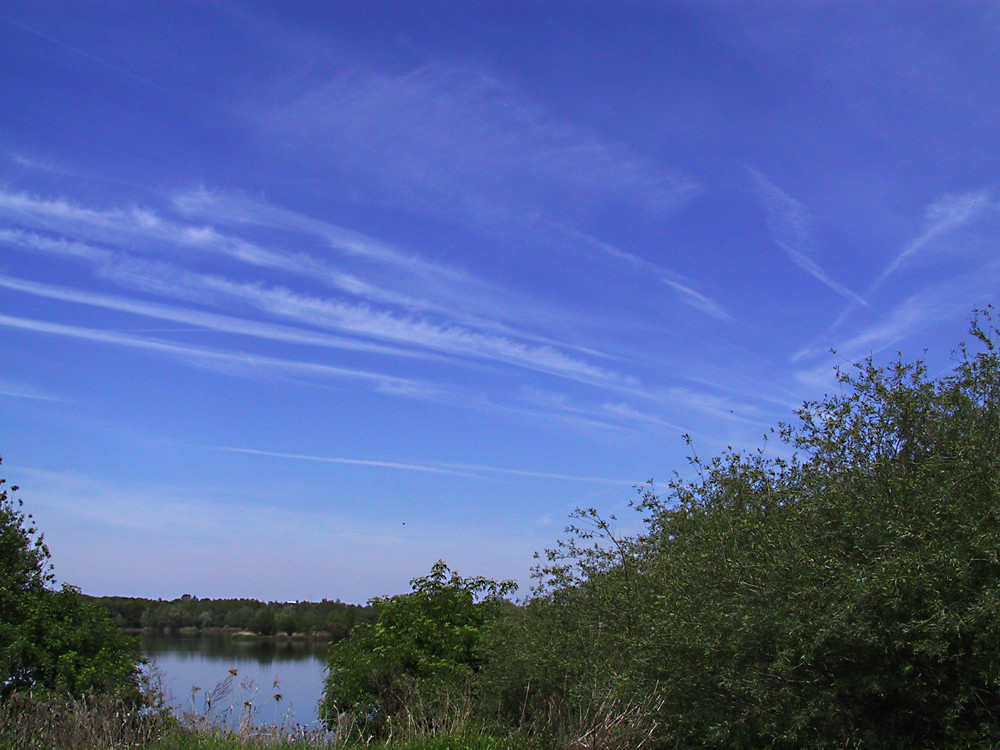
x: 189, y: 615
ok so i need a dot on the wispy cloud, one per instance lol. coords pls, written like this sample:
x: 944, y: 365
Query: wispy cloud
x: 430, y: 286
x: 252, y: 364
x: 374, y: 463
x: 953, y: 228
x: 82, y: 53
x: 697, y: 300
x: 682, y: 286
x: 55, y: 246
x: 600, y: 416
x: 945, y: 215
x: 143, y: 230
x: 229, y: 208
x: 379, y: 323
x: 715, y: 405
x: 455, y: 469
x: 375, y: 324
x: 21, y: 390
x: 200, y: 319
x: 448, y: 138
x: 952, y: 299
x: 361, y: 320
x: 628, y: 413
x: 110, y: 238
x: 390, y: 326
x: 240, y: 361
x: 791, y: 227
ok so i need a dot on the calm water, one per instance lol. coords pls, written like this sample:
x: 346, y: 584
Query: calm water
x: 205, y: 661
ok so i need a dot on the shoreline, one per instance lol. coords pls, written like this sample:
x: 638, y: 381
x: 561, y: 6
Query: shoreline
x: 234, y: 633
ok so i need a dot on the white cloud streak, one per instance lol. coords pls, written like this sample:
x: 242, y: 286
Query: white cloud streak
x: 945, y: 215
x: 389, y: 326
x: 145, y: 231
x: 791, y: 227
x: 59, y: 247
x: 201, y: 319
x: 697, y: 300
x: 228, y: 208
x: 679, y: 284
x: 138, y: 228
x: 952, y: 299
x: 456, y: 293
x: 374, y: 463
x: 256, y: 365
x: 241, y: 360
x: 108, y: 238
x: 455, y: 469
x: 30, y: 392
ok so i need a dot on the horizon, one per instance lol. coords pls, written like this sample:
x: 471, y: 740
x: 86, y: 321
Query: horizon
x: 296, y: 300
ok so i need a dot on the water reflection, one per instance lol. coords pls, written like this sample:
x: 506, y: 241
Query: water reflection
x: 223, y: 647
x: 192, y: 666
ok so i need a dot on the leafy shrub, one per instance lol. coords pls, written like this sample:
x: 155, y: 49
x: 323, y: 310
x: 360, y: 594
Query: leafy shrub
x: 849, y: 595
x: 416, y: 662
x: 53, y: 640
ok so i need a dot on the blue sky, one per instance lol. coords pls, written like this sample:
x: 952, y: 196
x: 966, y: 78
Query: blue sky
x: 296, y: 299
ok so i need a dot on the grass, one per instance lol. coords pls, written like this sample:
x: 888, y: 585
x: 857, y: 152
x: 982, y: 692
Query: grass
x: 202, y: 741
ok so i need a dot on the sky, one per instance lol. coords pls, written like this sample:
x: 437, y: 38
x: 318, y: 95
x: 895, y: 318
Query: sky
x: 298, y: 298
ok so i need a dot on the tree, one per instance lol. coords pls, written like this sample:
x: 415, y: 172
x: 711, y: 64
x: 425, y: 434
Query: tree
x: 263, y: 622
x: 287, y: 623
x: 53, y: 640
x: 422, y: 650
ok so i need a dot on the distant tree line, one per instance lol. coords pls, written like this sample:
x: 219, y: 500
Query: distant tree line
x: 331, y: 619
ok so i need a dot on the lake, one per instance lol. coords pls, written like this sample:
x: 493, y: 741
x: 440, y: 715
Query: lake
x: 205, y: 661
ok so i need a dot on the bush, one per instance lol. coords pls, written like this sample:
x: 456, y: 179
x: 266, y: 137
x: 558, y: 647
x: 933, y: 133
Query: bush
x: 847, y: 596
x: 417, y: 661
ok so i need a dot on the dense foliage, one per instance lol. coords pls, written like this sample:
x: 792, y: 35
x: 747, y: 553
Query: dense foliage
x: 53, y: 640
x: 420, y: 655
x: 849, y: 594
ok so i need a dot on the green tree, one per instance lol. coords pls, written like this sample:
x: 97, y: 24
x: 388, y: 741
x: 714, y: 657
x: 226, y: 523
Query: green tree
x: 263, y: 622
x: 53, y: 640
x: 287, y: 623
x: 422, y: 650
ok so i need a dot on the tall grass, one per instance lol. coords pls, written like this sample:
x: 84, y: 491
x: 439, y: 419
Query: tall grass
x: 225, y: 717
x: 96, y: 723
